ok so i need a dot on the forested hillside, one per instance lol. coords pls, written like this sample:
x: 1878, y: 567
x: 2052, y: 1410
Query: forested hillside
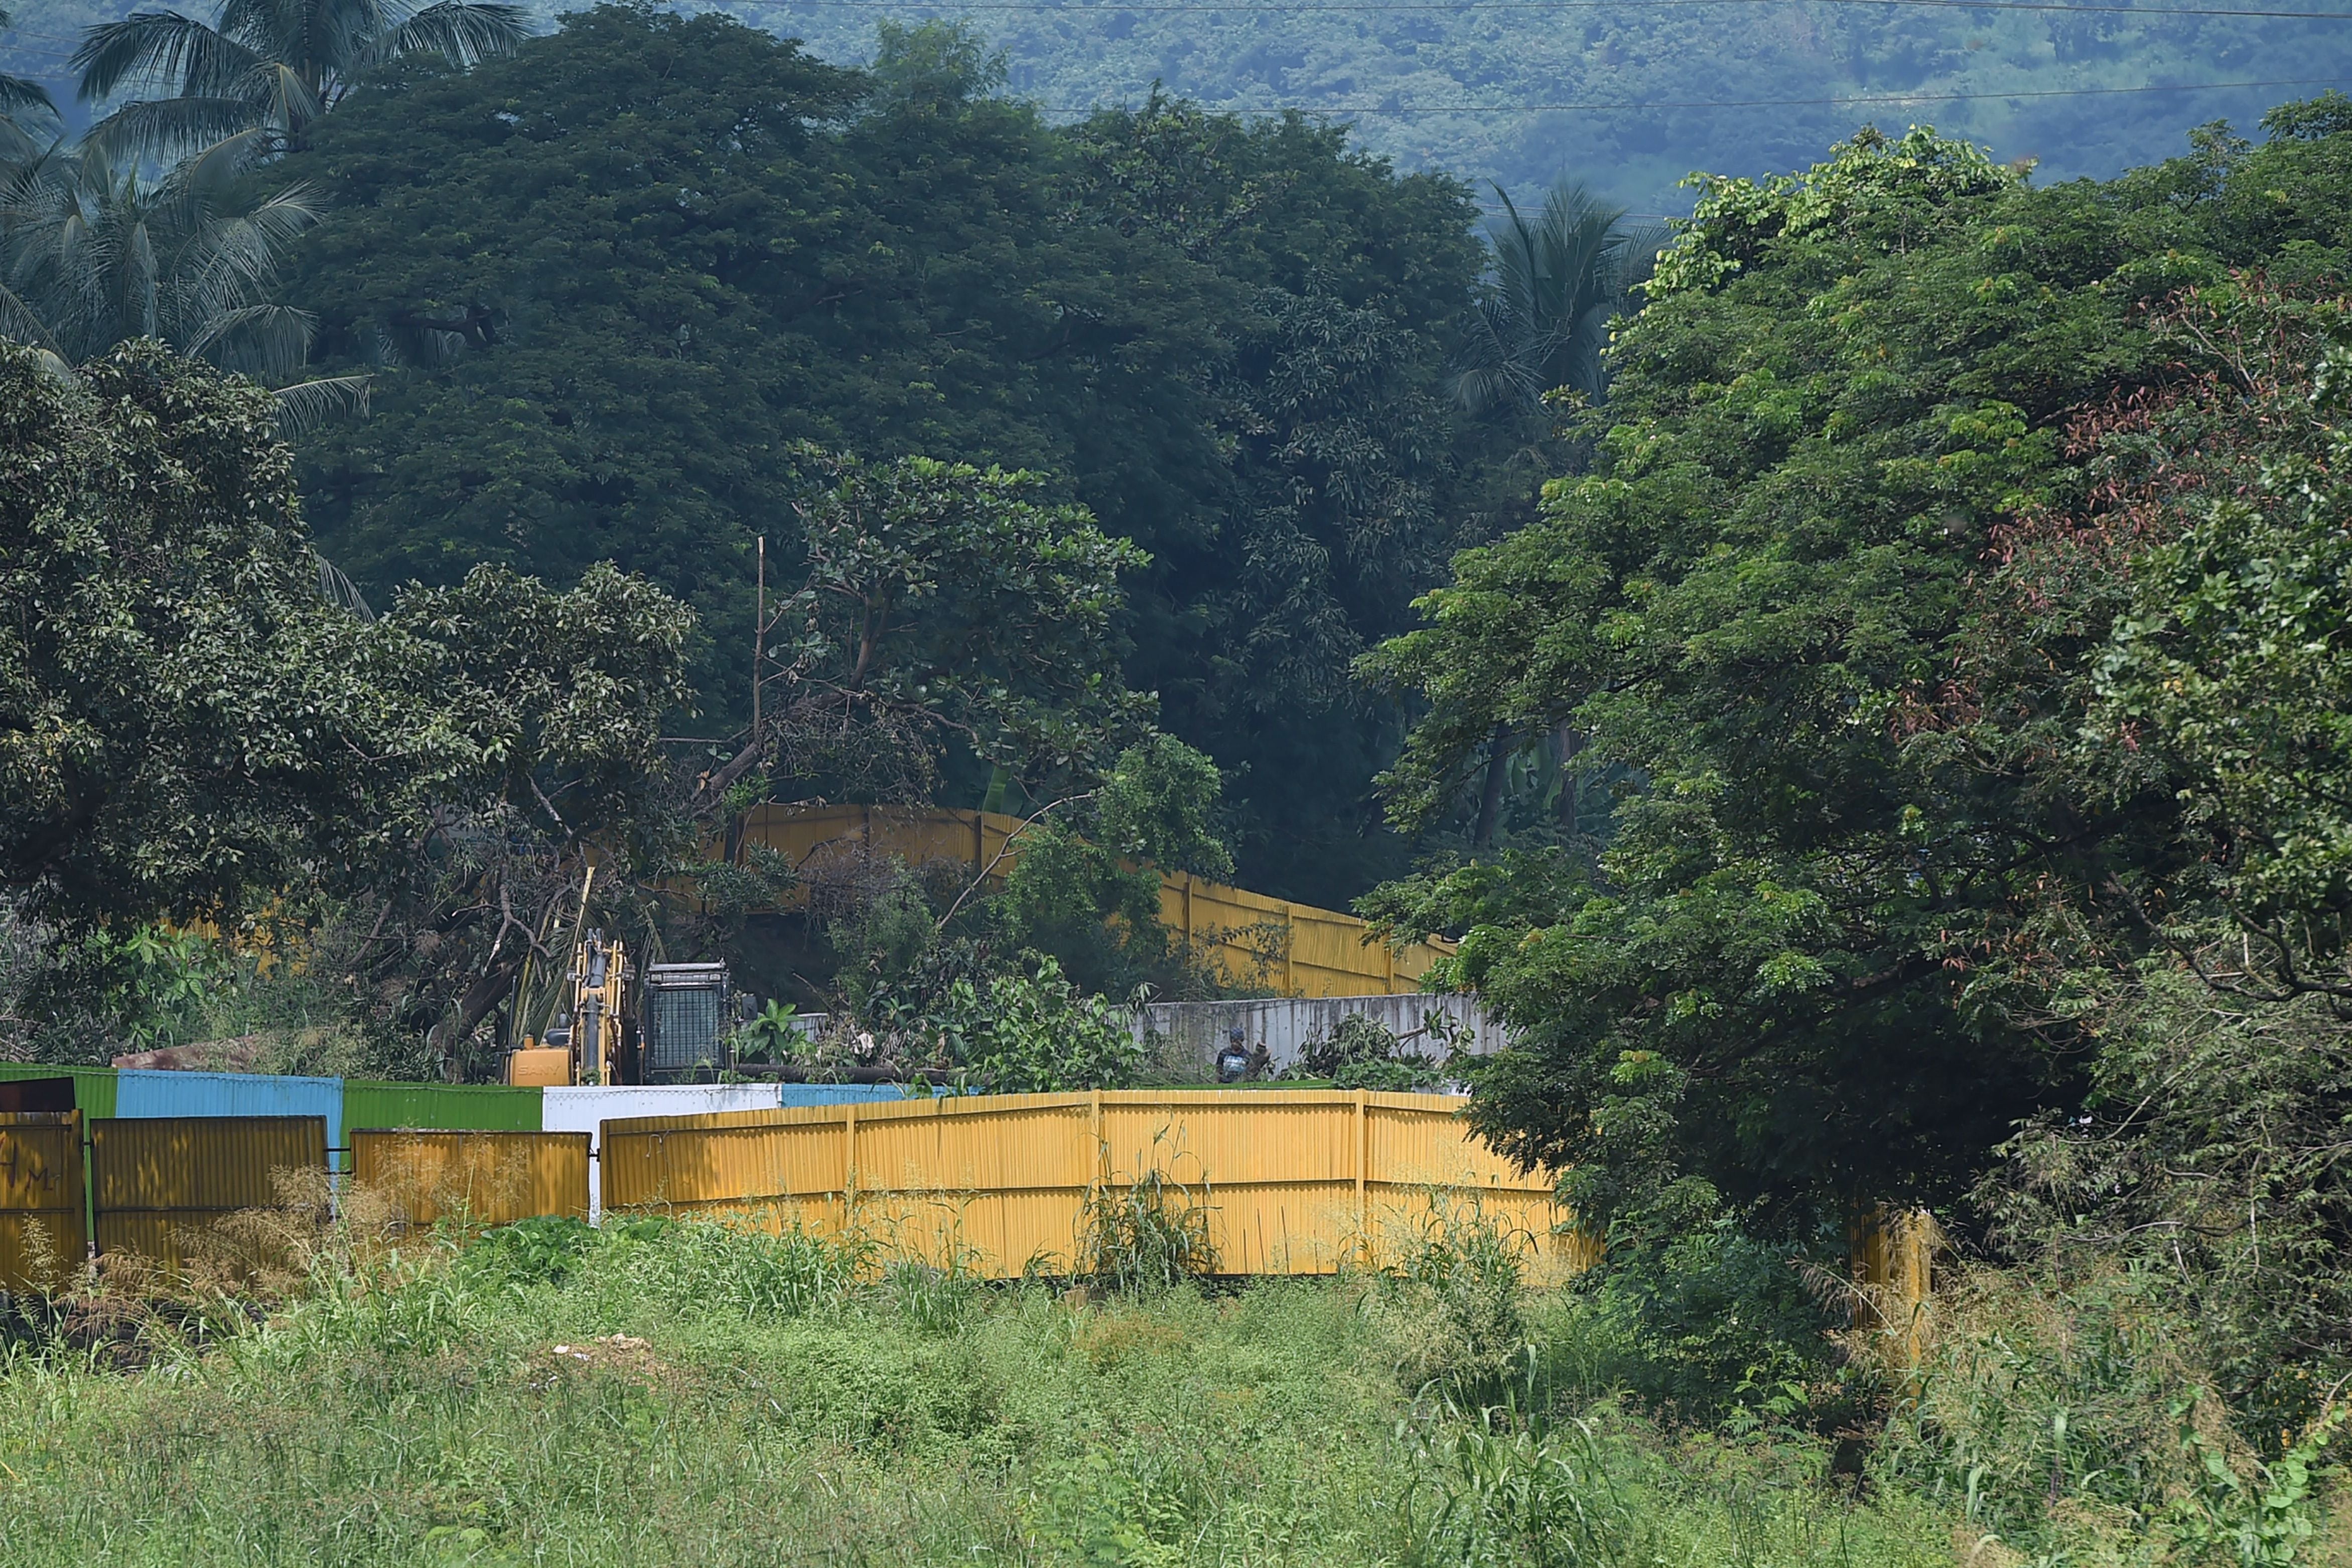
x: 1463, y: 87
x: 1666, y: 85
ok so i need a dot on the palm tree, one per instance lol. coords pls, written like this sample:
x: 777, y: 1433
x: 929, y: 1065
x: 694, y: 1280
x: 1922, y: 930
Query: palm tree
x: 94, y: 253
x: 267, y: 65
x: 1557, y: 282
x: 1543, y: 324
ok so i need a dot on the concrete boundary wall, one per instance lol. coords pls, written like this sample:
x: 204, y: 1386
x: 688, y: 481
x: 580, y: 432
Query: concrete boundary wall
x: 1286, y: 1026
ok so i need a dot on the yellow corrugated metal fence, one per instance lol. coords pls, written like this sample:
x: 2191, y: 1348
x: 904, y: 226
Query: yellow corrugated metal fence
x: 157, y: 1182
x: 42, y: 1222
x: 1296, y: 1181
x: 474, y: 1178
x: 1291, y: 949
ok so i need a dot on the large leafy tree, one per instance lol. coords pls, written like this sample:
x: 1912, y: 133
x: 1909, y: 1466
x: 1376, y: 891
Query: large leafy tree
x: 199, y: 721
x: 1224, y: 340
x: 2219, y: 539
x: 1804, y: 603
x: 541, y: 711
x: 187, y: 726
x: 1842, y: 382
x: 1347, y: 479
x: 943, y: 612
x: 266, y: 66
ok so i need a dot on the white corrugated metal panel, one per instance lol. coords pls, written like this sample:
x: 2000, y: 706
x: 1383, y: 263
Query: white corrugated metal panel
x: 583, y: 1109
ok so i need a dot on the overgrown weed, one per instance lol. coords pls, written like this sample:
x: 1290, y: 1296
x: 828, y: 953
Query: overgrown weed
x: 1151, y: 1233
x: 1512, y: 1485
x: 2069, y: 1418
x: 676, y: 1389
x: 1449, y: 1300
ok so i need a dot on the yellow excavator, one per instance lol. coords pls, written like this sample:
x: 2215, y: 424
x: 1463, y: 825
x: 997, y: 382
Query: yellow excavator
x: 589, y: 1040
x: 613, y: 1023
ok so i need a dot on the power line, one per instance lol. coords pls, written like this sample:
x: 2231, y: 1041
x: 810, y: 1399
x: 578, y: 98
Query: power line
x: 1727, y: 103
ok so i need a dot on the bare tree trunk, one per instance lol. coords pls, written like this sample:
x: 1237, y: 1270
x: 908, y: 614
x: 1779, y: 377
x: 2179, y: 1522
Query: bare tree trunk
x: 1490, y: 798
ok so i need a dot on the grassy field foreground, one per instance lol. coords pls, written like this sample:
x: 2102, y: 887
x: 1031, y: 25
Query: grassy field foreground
x: 669, y: 1393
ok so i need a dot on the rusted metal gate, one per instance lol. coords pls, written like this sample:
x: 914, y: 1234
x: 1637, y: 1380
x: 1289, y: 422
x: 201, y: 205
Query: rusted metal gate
x: 477, y: 1177
x: 157, y: 1183
x: 43, y: 1230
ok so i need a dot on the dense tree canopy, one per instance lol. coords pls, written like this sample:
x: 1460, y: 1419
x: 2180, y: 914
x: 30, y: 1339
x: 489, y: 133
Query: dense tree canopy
x: 942, y: 613
x: 198, y: 721
x: 187, y: 725
x: 618, y: 276
x: 1860, y: 839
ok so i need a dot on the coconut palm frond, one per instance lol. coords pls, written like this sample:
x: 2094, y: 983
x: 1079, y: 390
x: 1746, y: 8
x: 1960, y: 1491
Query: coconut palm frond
x: 142, y: 282
x: 227, y: 260
x: 209, y: 174
x: 1557, y: 279
x: 161, y: 51
x: 463, y: 32
x: 24, y: 97
x: 294, y: 100
x: 22, y: 323
x: 350, y: 28
x: 306, y: 405
x: 1482, y: 387
x: 168, y: 128
x: 265, y: 341
x: 333, y: 586
x: 102, y: 253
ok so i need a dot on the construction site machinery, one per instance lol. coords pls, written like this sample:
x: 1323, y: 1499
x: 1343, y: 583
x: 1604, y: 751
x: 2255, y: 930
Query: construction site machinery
x: 687, y: 1010
x: 590, y: 1040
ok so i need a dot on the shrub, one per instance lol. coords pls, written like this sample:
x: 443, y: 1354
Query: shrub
x: 532, y: 1251
x: 1030, y: 1032
x: 1360, y: 1053
x: 1450, y: 1307
x: 1719, y: 1321
x: 1149, y: 1234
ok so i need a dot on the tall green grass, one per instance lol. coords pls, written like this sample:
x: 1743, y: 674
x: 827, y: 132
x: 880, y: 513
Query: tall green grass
x: 680, y: 1392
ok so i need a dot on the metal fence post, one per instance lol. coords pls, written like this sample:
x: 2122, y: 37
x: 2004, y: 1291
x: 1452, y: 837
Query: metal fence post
x: 1363, y: 1173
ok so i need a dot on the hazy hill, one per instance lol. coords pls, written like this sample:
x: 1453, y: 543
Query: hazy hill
x: 1390, y: 67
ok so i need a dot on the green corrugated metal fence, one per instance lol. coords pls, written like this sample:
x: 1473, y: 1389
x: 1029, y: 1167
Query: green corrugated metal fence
x: 489, y: 1108
x: 94, y: 1086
